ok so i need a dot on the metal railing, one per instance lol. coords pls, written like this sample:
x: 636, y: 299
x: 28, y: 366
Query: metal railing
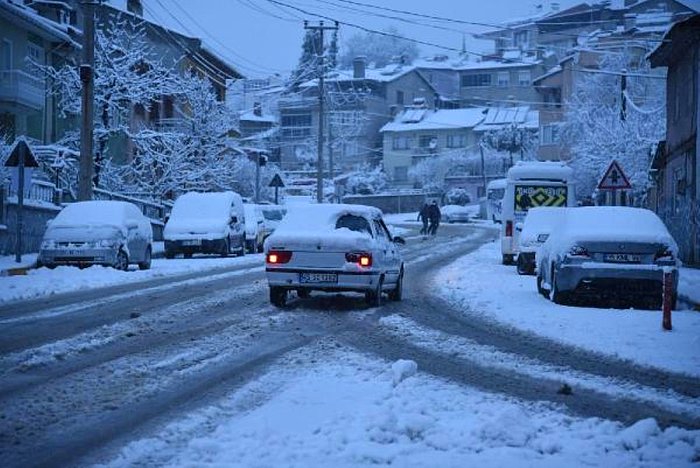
x: 23, y: 88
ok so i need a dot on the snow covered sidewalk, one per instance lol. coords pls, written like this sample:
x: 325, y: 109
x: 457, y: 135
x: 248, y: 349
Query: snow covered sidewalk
x: 478, y: 282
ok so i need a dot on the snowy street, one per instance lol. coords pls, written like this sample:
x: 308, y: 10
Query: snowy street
x: 196, y: 367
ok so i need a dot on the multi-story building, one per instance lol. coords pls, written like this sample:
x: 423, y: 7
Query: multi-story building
x: 676, y: 165
x: 29, y: 40
x: 358, y: 103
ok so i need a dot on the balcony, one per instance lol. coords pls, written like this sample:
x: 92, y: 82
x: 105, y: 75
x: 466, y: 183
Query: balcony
x: 19, y: 87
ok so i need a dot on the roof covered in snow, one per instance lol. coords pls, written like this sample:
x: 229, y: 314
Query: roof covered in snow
x: 251, y: 116
x: 413, y: 119
x: 44, y: 27
x: 500, y: 117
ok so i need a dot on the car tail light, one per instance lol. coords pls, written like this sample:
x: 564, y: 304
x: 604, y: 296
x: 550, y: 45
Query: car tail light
x: 578, y: 251
x: 664, y: 255
x: 509, y: 228
x: 277, y: 257
x: 363, y: 259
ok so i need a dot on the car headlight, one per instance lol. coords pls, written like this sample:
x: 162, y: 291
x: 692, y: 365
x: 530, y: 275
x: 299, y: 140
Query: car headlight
x: 48, y: 244
x: 106, y: 243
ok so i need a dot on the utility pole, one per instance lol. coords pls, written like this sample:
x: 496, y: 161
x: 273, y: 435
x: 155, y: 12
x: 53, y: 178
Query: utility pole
x: 319, y: 161
x: 623, y: 98
x: 483, y: 167
x: 87, y: 78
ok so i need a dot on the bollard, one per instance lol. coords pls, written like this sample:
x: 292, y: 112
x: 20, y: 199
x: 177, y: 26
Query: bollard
x: 667, y: 300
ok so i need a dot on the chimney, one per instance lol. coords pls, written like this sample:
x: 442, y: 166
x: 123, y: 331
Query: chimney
x: 135, y: 7
x: 257, y: 109
x: 359, y: 64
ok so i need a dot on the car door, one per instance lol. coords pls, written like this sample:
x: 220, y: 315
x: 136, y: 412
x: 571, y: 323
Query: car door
x: 384, y: 251
x: 394, y: 254
x: 135, y: 239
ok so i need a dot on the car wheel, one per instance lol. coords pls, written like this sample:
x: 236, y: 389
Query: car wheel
x: 146, y: 264
x: 544, y: 292
x: 523, y: 267
x: 122, y: 261
x: 243, y: 244
x: 278, y: 296
x: 507, y: 259
x: 250, y: 246
x: 187, y: 255
x: 169, y: 255
x: 396, y: 294
x: 303, y: 293
x: 227, y: 248
x: 374, y: 298
x: 558, y: 297
x: 261, y: 247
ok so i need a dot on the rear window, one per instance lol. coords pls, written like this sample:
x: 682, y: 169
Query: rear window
x: 354, y: 223
x: 273, y: 215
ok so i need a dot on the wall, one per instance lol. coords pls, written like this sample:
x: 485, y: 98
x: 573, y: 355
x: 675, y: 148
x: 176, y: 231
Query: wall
x: 483, y: 95
x: 34, y: 216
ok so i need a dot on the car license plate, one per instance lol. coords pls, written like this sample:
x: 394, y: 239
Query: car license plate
x: 192, y: 242
x: 318, y: 278
x: 622, y: 258
x: 542, y: 237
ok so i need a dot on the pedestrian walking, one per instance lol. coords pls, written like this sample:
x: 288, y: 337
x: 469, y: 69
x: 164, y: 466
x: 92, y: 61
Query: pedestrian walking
x: 423, y: 216
x: 434, y: 216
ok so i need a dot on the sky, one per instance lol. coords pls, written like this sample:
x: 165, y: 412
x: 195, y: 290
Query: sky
x: 261, y: 37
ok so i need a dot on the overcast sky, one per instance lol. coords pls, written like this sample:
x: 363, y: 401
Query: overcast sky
x: 260, y: 38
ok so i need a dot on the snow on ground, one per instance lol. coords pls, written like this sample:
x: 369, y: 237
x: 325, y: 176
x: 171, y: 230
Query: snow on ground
x: 689, y: 284
x: 352, y: 410
x: 479, y: 282
x: 8, y: 261
x: 43, y: 281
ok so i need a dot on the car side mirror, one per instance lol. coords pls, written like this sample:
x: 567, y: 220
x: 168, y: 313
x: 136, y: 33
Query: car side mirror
x: 399, y: 240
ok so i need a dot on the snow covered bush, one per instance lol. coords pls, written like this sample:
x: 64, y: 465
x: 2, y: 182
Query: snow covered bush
x: 367, y: 180
x: 596, y: 132
x: 457, y: 196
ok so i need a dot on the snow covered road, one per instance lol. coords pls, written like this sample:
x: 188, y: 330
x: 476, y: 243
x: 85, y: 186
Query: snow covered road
x: 201, y: 370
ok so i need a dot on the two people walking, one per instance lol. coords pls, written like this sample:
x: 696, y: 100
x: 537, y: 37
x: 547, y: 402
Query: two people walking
x: 430, y: 216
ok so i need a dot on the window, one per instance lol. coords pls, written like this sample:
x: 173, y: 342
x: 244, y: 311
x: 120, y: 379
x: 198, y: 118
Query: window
x: 354, y: 223
x: 399, y: 97
x: 549, y: 134
x: 296, y: 125
x: 379, y: 229
x: 34, y: 53
x: 524, y: 78
x: 503, y: 79
x: 456, y: 141
x: 401, y: 143
x: 5, y: 55
x: 401, y: 174
x: 520, y: 39
x: 476, y: 80
x: 427, y: 141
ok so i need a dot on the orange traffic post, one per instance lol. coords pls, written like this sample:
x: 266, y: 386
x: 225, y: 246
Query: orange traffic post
x: 667, y: 300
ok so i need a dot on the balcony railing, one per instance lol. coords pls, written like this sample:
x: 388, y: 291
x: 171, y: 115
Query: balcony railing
x: 20, y: 87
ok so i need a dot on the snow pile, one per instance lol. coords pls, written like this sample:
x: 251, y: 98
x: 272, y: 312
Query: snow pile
x: 346, y: 412
x: 480, y: 284
x: 403, y: 369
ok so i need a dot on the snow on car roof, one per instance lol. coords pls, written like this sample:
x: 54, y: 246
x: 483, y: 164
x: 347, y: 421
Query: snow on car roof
x: 199, y: 205
x: 524, y: 170
x: 497, y: 184
x: 92, y: 213
x: 611, y: 224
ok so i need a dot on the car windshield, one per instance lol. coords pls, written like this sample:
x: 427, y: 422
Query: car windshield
x: 273, y: 215
x: 354, y: 223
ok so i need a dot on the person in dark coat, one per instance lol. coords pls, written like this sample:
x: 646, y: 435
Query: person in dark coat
x: 434, y: 216
x: 423, y: 216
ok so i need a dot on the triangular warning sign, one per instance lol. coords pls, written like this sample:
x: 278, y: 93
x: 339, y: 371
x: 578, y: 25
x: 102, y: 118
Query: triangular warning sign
x: 21, y: 152
x: 276, y: 181
x: 614, y: 178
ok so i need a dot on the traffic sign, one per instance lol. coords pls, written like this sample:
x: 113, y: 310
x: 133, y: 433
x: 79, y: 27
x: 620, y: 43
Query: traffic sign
x: 614, y: 178
x: 276, y: 181
x: 22, y: 150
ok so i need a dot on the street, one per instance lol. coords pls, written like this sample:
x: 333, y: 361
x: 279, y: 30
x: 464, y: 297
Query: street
x: 84, y: 374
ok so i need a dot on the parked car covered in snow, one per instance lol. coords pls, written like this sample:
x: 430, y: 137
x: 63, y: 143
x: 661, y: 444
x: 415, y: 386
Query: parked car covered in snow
x: 212, y: 223
x: 334, y: 248
x: 455, y: 214
x: 109, y: 233
x: 534, y: 231
x: 607, y: 252
x: 254, y: 228
x: 273, y: 215
x: 495, y: 191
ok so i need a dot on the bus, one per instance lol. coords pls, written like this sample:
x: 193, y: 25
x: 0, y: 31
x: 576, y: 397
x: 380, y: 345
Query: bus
x: 531, y: 184
x: 495, y: 190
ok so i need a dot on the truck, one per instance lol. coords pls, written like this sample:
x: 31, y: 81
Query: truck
x: 532, y: 184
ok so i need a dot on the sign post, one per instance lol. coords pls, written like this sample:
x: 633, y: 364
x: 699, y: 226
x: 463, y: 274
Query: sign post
x: 276, y: 182
x: 20, y: 157
x: 614, y: 180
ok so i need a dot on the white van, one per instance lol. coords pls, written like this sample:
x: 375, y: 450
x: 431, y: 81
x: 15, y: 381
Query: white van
x: 531, y: 184
x: 495, y: 191
x: 212, y: 223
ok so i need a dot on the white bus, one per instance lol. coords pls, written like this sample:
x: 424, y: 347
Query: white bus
x: 495, y: 191
x: 531, y: 184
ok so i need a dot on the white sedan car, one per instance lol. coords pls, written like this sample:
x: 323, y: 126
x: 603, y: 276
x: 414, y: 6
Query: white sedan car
x: 455, y: 214
x: 334, y: 248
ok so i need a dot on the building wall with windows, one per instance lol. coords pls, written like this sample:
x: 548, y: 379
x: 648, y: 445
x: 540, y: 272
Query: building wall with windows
x: 499, y: 83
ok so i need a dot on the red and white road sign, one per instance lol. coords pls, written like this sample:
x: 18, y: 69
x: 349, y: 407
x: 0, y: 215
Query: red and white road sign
x: 614, y: 178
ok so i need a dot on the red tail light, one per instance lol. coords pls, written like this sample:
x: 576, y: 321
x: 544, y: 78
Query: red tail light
x: 363, y: 259
x: 277, y: 257
x: 509, y: 228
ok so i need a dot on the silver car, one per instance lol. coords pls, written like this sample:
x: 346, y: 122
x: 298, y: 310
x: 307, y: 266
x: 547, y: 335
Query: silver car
x: 110, y: 233
x: 610, y: 253
x: 334, y: 248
